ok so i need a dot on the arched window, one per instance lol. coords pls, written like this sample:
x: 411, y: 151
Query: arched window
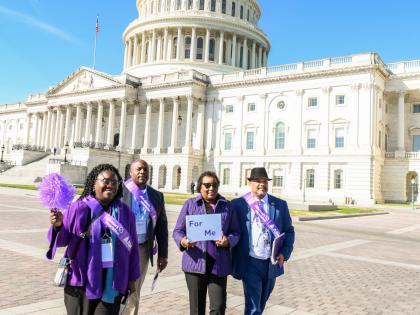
x: 187, y: 44
x: 233, y: 8
x: 213, y: 5
x: 241, y: 57
x: 178, y: 4
x: 174, y: 47
x: 279, y: 136
x: 201, y: 4
x: 241, y: 12
x: 247, y: 16
x: 224, y: 6
x: 249, y: 59
x: 190, y: 4
x: 212, y: 45
x: 200, y: 44
x: 224, y: 51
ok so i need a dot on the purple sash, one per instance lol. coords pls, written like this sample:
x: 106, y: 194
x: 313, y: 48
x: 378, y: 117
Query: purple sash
x: 144, y: 202
x: 116, y: 227
x: 256, y: 207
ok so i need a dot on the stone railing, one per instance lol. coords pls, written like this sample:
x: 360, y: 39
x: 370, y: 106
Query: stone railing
x: 5, y: 165
x: 28, y: 147
x: 404, y: 67
x: 174, y: 77
x: 93, y: 145
x: 59, y: 161
x: 402, y: 155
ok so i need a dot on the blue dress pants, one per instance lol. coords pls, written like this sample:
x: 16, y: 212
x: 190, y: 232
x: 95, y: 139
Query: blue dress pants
x: 257, y: 286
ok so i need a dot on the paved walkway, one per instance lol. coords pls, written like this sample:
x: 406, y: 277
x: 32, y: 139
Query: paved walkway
x: 367, y: 265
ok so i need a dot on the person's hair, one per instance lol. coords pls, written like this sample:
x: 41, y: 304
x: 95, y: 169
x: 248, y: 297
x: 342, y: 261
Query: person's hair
x: 93, y: 175
x: 207, y: 174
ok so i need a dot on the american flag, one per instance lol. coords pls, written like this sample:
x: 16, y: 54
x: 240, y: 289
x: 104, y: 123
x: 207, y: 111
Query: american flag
x: 97, y: 25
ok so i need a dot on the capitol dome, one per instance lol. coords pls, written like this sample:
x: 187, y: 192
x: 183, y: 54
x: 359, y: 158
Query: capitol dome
x: 211, y: 36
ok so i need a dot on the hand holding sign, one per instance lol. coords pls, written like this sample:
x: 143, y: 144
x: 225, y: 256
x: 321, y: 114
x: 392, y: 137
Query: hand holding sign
x: 224, y: 242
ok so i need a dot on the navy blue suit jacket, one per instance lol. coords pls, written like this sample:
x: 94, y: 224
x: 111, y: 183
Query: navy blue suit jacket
x: 279, y: 214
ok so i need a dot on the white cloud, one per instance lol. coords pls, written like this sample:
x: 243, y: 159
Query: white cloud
x: 39, y: 24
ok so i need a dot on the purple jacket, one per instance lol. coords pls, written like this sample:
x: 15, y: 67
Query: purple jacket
x: 75, y: 221
x: 193, y: 259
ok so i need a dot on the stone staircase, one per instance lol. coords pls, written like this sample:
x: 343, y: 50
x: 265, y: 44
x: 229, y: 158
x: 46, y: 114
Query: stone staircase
x: 28, y: 174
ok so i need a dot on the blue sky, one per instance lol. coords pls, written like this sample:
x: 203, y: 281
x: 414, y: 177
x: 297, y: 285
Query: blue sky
x: 43, y: 41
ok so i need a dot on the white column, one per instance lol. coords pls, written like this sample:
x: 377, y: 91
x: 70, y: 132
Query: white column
x: 98, y: 138
x: 88, y: 121
x: 130, y: 53
x: 221, y: 44
x: 254, y: 48
x: 178, y: 45
x: 43, y: 130
x: 78, y: 123
x: 174, y: 132
x: 193, y: 44
x: 35, y: 130
x: 125, y: 54
x: 134, y: 128
x: 265, y: 58
x: 234, y: 50
x: 159, y: 49
x: 111, y: 124
x: 57, y: 128
x: 28, y: 128
x: 259, y: 57
x: 152, y: 55
x: 143, y: 47
x: 67, y: 129
x: 61, y: 129
x: 147, y: 127
x: 206, y: 46
x: 123, y: 124
x: 188, y: 129
x: 200, y: 127
x: 47, y: 130
x: 52, y: 129
x: 165, y: 45
x: 245, y: 54
x: 135, y: 50
x: 401, y: 122
x: 160, y: 125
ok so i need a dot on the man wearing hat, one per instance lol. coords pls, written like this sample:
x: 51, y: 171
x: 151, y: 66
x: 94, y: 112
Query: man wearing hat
x: 265, y: 222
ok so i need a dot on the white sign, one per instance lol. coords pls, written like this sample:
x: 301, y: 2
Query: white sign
x: 205, y: 227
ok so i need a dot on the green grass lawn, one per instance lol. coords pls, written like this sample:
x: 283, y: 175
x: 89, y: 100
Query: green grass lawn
x: 340, y: 211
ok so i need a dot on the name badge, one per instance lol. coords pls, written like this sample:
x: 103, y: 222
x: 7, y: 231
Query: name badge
x: 141, y: 225
x: 107, y: 254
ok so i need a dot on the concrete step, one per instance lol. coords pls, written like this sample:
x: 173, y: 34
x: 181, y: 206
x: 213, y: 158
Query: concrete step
x: 26, y: 174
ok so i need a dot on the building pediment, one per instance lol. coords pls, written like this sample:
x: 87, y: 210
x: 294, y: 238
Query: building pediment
x: 84, y: 80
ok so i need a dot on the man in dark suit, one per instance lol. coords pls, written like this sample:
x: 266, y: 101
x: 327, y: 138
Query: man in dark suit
x: 148, y: 206
x: 262, y: 217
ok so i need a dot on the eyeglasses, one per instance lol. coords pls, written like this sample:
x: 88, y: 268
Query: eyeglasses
x: 208, y: 185
x: 107, y: 181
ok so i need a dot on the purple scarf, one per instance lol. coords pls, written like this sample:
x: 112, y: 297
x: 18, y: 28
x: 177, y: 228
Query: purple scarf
x: 144, y: 202
x: 94, y: 284
x: 258, y: 210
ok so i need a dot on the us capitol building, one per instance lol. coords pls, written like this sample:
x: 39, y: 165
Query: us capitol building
x: 196, y: 94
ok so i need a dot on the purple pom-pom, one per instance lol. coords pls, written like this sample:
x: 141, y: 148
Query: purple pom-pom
x: 55, y: 192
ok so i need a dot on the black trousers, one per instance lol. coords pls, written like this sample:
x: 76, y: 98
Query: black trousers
x: 77, y: 303
x: 197, y: 287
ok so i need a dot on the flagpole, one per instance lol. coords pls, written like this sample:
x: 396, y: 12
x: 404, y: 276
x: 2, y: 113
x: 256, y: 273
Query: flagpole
x: 96, y: 39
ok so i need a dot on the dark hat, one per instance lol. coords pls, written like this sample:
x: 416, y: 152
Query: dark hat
x: 258, y: 173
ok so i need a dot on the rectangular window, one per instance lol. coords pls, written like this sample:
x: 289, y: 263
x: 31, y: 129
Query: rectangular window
x: 250, y: 140
x: 416, y: 108
x: 416, y: 143
x: 241, y: 13
x: 310, y: 178
x: 247, y: 173
x: 228, y: 141
x: 226, y: 176
x: 229, y: 109
x: 311, y: 140
x: 233, y: 9
x: 339, y: 137
x: 213, y: 5
x: 224, y: 6
x: 251, y: 107
x: 338, y: 179
x: 313, y: 102
x: 278, y: 178
x: 340, y: 100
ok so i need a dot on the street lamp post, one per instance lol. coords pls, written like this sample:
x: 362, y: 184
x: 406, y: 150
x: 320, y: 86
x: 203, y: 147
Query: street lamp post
x: 413, y: 183
x: 2, y: 151
x: 66, y: 147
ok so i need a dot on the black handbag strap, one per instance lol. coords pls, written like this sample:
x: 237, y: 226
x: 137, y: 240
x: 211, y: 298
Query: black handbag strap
x: 84, y: 235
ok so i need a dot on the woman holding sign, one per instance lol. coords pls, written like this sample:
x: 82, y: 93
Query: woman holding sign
x: 100, y: 234
x: 206, y: 259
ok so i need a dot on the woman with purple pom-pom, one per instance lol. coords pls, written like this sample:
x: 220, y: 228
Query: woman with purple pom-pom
x: 99, y: 232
